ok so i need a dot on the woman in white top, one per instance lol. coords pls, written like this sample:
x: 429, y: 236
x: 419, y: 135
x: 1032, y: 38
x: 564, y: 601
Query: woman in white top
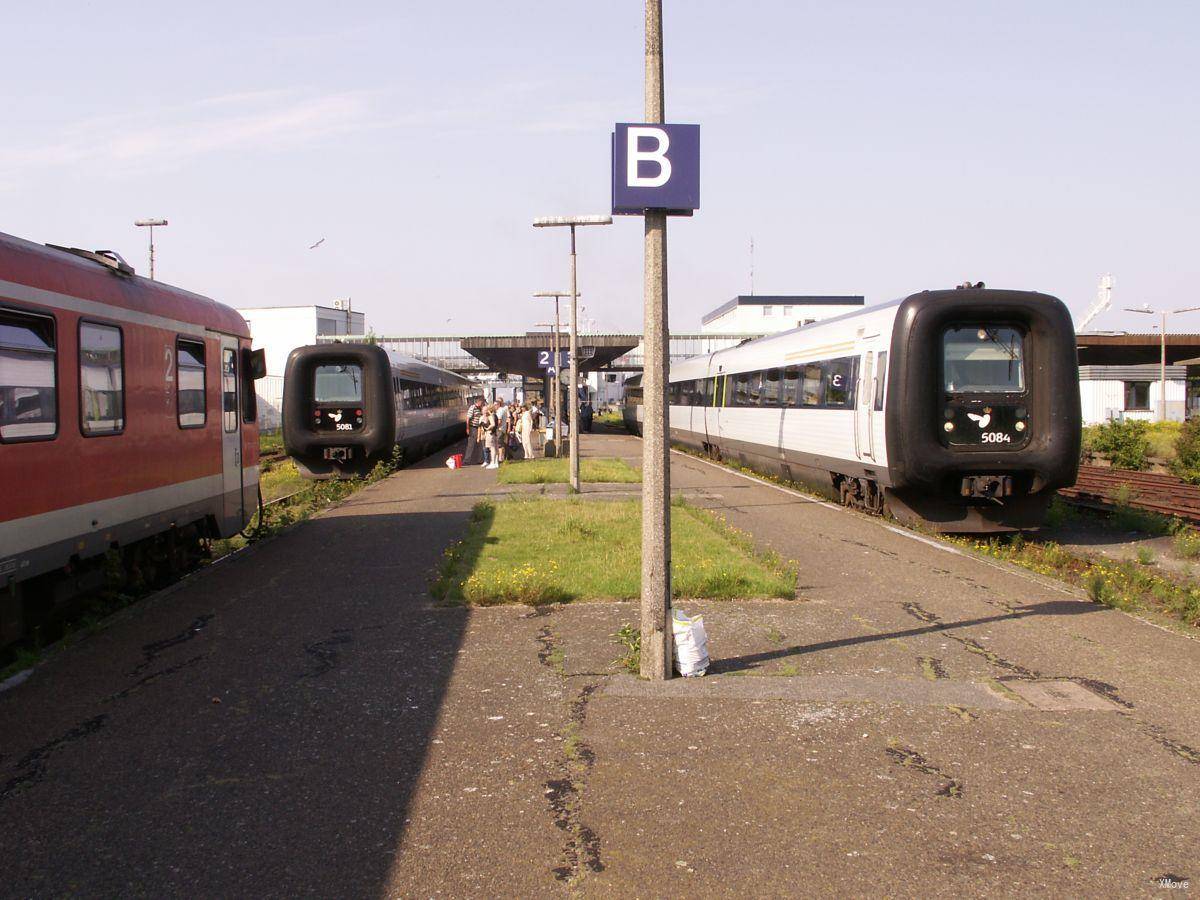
x: 525, y: 431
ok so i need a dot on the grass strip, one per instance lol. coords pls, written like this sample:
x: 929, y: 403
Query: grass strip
x: 539, y: 550
x: 554, y: 471
x: 1127, y: 584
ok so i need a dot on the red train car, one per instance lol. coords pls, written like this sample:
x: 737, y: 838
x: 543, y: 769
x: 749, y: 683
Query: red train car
x: 127, y: 423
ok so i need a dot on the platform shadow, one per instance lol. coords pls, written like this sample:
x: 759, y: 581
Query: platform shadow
x: 752, y: 660
x: 268, y: 743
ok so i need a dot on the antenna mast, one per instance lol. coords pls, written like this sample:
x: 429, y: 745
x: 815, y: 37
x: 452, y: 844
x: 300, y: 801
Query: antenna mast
x: 751, y: 265
x: 1103, y: 301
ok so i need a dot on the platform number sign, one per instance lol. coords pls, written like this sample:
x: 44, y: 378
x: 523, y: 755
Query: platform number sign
x: 655, y: 167
x: 546, y: 359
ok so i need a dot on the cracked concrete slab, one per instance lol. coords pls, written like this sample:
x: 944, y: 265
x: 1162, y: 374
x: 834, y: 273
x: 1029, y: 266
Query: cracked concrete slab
x: 901, y: 690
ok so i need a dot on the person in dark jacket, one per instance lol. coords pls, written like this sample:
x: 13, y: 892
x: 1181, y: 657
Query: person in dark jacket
x: 474, y: 454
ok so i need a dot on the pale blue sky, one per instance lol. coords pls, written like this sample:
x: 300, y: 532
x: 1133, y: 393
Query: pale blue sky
x: 874, y: 148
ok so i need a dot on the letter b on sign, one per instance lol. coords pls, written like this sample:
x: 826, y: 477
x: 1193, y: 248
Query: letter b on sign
x: 657, y: 156
x: 656, y: 167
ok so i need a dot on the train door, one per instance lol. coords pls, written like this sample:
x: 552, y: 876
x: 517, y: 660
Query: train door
x: 864, y: 431
x: 712, y: 409
x: 231, y: 436
x: 706, y: 397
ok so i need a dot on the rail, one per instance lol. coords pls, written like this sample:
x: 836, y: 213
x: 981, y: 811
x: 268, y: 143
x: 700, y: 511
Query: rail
x: 1098, y: 487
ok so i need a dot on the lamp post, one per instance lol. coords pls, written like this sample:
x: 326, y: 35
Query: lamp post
x: 572, y: 222
x: 555, y: 401
x: 1145, y: 310
x: 151, y: 224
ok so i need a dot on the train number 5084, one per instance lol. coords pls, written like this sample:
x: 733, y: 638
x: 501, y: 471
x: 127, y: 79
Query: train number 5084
x: 996, y: 437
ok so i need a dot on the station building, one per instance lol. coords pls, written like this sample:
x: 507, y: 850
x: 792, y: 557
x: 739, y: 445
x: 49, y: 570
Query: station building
x: 755, y: 314
x: 1120, y: 376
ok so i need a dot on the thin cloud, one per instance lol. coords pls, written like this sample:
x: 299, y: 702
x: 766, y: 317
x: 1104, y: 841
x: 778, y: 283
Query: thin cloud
x: 264, y: 120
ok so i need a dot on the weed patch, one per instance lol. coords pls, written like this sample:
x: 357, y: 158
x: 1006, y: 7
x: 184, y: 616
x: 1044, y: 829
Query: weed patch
x: 1128, y: 584
x: 629, y: 637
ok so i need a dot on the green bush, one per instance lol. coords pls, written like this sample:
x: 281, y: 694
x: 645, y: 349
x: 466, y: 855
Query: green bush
x: 1125, y: 444
x: 1163, y: 437
x: 1187, y: 452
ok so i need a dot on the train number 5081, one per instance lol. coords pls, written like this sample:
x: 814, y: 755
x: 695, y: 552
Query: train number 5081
x: 996, y: 437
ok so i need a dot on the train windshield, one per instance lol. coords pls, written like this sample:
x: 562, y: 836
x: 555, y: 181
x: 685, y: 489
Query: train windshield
x: 338, y: 384
x: 977, y: 359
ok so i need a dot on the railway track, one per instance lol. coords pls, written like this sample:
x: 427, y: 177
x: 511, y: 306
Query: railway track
x: 1099, y: 486
x: 269, y: 459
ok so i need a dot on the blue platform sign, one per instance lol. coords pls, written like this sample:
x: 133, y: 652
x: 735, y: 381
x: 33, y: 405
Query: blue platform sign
x: 546, y: 359
x: 655, y: 167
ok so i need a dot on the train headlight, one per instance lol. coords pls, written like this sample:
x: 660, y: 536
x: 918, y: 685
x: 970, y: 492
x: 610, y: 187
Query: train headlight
x: 982, y: 334
x: 1020, y: 426
x: 949, y: 426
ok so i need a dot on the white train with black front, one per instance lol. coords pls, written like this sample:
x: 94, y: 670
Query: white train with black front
x: 958, y: 409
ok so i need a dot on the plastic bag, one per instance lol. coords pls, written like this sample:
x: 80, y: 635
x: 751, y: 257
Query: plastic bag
x: 691, y: 643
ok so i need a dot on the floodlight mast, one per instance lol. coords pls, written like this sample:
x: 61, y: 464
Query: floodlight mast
x: 555, y: 399
x: 151, y: 224
x: 1145, y: 309
x: 572, y: 222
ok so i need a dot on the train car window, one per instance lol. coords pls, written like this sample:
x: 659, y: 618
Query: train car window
x: 338, y: 383
x: 101, y: 383
x: 28, y: 398
x: 229, y: 404
x: 839, y: 380
x: 771, y: 388
x: 977, y: 359
x: 741, y: 389
x: 791, y: 381
x: 880, y: 379
x: 755, y: 389
x: 190, y: 381
x: 812, y: 389
x: 189, y: 378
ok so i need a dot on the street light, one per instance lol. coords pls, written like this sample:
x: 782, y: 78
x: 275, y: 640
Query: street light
x: 1145, y: 309
x: 151, y: 223
x: 572, y: 222
x: 555, y: 404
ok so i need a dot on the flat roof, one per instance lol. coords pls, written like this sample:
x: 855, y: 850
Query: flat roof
x: 357, y: 312
x: 784, y: 300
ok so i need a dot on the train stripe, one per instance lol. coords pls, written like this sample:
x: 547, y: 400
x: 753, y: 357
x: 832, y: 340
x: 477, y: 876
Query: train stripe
x: 23, y: 292
x: 29, y: 533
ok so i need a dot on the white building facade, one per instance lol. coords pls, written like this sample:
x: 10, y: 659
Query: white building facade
x: 767, y: 314
x: 278, y: 330
x: 1130, y: 392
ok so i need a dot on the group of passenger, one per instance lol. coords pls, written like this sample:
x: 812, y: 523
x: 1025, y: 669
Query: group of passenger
x: 497, y: 431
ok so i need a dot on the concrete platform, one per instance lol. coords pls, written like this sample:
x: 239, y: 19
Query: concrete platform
x: 303, y: 720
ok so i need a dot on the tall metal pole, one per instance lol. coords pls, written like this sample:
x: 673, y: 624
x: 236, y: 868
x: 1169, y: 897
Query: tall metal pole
x: 151, y: 252
x: 656, y: 452
x: 557, y: 399
x: 1162, y: 373
x: 574, y: 371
